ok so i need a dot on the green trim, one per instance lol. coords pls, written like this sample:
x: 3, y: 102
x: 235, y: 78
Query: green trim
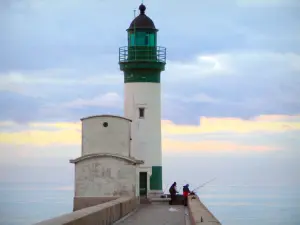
x: 141, y: 54
x: 142, y: 29
x: 156, y: 178
x: 142, y: 65
x: 133, y: 76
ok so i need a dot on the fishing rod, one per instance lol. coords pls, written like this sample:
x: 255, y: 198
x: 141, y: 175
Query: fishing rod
x: 202, y: 185
x: 166, y: 188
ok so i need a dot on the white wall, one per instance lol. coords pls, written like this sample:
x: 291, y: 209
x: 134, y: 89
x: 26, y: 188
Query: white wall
x: 146, y: 133
x: 115, y: 138
x: 104, y: 176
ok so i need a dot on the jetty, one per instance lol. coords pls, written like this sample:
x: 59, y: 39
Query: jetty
x: 128, y: 211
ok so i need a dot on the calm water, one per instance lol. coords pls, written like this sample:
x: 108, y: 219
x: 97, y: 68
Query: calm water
x: 24, y: 204
x: 242, y: 205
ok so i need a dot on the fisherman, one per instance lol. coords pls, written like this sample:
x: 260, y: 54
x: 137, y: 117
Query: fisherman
x: 186, y: 192
x: 173, y: 192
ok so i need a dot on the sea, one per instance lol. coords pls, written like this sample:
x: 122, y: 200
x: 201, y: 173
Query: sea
x: 28, y: 203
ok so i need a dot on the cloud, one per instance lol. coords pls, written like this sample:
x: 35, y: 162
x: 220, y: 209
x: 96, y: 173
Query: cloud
x: 272, y: 3
x: 71, y: 33
x: 21, y: 108
x: 248, y: 85
x: 41, y: 138
x: 212, y: 135
x: 49, y: 81
x: 235, y: 65
x: 108, y: 100
x: 254, y: 83
x: 233, y: 156
x: 278, y: 118
x: 236, y: 125
x: 213, y: 146
x: 201, y: 66
x: 241, y: 61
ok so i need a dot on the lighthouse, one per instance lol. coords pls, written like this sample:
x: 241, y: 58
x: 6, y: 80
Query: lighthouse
x: 142, y: 62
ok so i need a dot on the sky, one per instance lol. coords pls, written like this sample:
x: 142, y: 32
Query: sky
x: 230, y: 91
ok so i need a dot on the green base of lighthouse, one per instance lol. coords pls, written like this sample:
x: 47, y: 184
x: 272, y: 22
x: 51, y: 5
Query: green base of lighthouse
x: 156, y: 178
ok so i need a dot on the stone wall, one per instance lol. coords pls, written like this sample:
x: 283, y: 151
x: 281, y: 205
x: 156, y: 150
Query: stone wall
x: 85, y: 202
x: 104, y: 177
x: 199, y: 214
x: 103, y: 214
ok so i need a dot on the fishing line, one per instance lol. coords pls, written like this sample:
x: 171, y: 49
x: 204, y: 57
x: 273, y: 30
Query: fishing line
x: 202, y: 185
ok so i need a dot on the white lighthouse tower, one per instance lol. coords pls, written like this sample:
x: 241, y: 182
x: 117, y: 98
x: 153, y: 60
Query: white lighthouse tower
x: 142, y: 62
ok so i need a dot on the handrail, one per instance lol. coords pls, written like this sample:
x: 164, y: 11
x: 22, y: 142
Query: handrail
x: 142, y: 54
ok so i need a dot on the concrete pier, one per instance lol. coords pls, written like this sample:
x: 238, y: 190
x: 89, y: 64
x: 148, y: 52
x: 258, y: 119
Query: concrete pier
x: 159, y: 212
x: 199, y: 213
x: 128, y: 211
x: 155, y: 213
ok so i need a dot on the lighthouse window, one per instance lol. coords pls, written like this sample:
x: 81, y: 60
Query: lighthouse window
x: 151, y: 39
x: 132, y: 37
x: 140, y: 38
x: 142, y: 112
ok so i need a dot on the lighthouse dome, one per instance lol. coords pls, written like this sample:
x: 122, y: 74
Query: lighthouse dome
x: 142, y: 21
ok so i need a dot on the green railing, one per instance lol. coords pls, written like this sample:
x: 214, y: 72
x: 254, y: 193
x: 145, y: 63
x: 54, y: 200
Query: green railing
x: 142, y: 54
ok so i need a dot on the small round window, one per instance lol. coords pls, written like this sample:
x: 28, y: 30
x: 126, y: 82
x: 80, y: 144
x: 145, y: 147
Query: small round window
x: 105, y: 124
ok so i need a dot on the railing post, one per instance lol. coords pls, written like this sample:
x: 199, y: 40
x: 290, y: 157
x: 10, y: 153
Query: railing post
x: 142, y: 53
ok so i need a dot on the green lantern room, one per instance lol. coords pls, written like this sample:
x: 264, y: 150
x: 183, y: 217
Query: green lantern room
x: 142, y: 60
x: 142, y: 31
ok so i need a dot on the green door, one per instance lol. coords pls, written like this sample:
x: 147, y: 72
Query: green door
x: 143, y: 183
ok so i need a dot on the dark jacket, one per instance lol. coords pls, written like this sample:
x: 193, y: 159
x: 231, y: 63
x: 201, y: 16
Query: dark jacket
x: 172, y: 189
x: 186, y: 191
